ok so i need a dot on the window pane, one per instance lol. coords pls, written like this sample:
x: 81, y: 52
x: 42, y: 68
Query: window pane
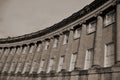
x: 109, y: 55
x: 77, y: 33
x: 31, y: 49
x: 60, y: 65
x: 47, y: 44
x: 55, y: 42
x: 38, y: 48
x: 91, y: 26
x: 65, y: 41
x: 72, y: 62
x: 88, y: 58
x: 109, y: 18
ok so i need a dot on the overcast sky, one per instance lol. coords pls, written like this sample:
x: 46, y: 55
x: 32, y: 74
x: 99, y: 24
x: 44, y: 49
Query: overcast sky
x: 19, y: 17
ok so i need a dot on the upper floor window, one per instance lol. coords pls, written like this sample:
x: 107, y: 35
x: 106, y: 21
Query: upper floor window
x: 91, y: 27
x: 12, y: 50
x: 55, y: 44
x: 109, y: 18
x: 6, y: 51
x: 47, y: 44
x: 88, y: 58
x: 18, y: 50
x: 77, y: 33
x: 66, y: 36
x: 31, y: 48
x: 109, y: 55
x: 38, y: 47
x: 24, y: 49
x: 73, y: 61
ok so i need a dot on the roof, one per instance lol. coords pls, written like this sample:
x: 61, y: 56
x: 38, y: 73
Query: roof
x: 87, y: 9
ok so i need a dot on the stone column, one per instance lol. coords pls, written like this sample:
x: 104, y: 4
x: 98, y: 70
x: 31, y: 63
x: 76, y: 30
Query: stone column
x: 21, y: 61
x: 98, y: 53
x: 1, y: 51
x: 116, y: 69
x: 47, y: 54
x: 4, y: 57
x: 16, y: 58
x: 118, y: 31
x: 68, y: 51
x: 59, y: 50
x: 82, y: 49
x: 9, y: 59
x: 33, y: 63
x: 30, y: 57
x: 37, y: 57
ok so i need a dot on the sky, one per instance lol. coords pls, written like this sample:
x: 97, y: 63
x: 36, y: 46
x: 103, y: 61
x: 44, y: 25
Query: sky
x: 19, y: 17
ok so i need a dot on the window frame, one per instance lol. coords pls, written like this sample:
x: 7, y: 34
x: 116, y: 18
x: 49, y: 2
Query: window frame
x: 106, y: 54
x: 60, y: 65
x: 89, y: 26
x: 89, y: 55
x: 73, y: 61
x: 113, y: 14
x: 56, y: 40
x: 66, y: 38
x: 47, y: 44
x: 77, y: 33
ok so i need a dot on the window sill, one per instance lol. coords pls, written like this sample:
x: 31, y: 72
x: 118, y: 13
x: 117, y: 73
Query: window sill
x: 76, y: 38
x: 109, y: 25
x: 90, y: 32
x: 65, y: 44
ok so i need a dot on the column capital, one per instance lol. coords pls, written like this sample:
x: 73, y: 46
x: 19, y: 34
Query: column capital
x: 99, y: 17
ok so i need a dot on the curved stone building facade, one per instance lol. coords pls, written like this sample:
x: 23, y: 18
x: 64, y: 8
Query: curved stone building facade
x: 84, y: 46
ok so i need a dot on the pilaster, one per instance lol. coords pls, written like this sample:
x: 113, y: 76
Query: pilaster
x: 98, y: 51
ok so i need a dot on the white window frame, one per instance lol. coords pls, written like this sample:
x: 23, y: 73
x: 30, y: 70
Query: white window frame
x: 77, y: 33
x: 109, y: 18
x: 24, y: 49
x: 88, y: 58
x: 38, y: 47
x: 107, y: 56
x: 55, y: 42
x: 65, y: 40
x: 31, y: 49
x: 50, y: 66
x: 92, y: 26
x: 61, y: 62
x: 18, y: 50
x: 1, y: 50
x: 47, y: 44
x: 73, y: 61
x: 6, y: 51
x: 12, y: 51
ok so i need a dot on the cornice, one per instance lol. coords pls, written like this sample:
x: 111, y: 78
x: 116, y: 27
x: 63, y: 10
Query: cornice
x: 87, y: 9
x: 118, y: 1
